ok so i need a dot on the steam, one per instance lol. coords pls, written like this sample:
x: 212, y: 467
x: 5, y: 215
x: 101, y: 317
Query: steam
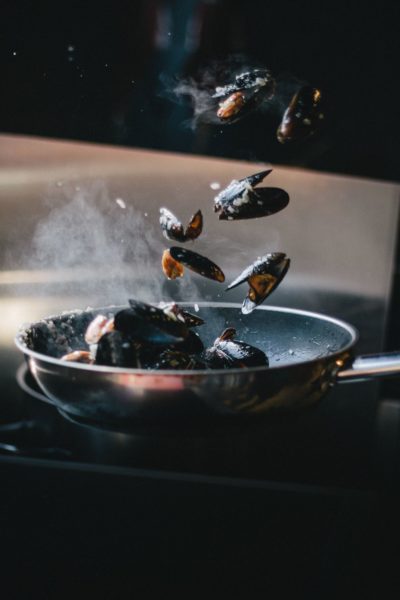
x: 104, y: 249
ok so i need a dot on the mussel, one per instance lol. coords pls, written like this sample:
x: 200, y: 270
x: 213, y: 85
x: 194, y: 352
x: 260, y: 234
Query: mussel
x: 301, y: 118
x: 116, y: 349
x: 197, y: 263
x: 231, y: 106
x: 81, y: 356
x: 227, y: 353
x: 97, y: 328
x: 171, y: 359
x: 244, y: 94
x: 171, y: 267
x: 263, y: 277
x: 173, y: 229
x: 239, y: 200
x: 147, y: 323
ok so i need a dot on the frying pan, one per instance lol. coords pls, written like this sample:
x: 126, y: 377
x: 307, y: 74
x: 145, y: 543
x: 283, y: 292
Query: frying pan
x: 308, y: 353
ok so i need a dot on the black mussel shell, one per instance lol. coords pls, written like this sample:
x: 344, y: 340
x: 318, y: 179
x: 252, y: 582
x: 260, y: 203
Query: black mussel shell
x: 197, y: 263
x: 178, y: 360
x: 192, y: 344
x: 115, y: 349
x: 239, y: 200
x: 227, y: 353
x: 302, y: 117
x: 172, y: 309
x: 217, y: 359
x: 243, y: 355
x: 191, y: 320
x: 145, y: 322
x: 173, y: 229
x: 256, y: 78
x: 237, y: 187
x: 256, y: 178
x: 262, y: 202
x: 263, y: 277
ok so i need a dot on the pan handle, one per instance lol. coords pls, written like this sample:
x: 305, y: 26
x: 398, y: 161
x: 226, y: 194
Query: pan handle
x: 371, y: 366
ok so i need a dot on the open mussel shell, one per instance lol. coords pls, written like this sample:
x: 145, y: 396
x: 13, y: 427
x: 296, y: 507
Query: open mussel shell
x: 173, y: 229
x: 241, y: 103
x: 302, y: 117
x: 197, y: 263
x: 263, y: 277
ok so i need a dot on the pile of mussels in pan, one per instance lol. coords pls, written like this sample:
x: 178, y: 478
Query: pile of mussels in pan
x: 162, y: 337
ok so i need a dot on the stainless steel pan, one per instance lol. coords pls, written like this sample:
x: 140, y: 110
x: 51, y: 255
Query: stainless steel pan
x: 308, y: 353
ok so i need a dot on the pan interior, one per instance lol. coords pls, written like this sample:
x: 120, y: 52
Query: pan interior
x: 286, y: 336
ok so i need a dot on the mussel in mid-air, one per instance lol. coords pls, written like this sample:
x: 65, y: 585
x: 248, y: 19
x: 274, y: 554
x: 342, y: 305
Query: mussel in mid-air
x: 263, y: 277
x: 301, y: 118
x: 239, y: 200
x: 171, y: 267
x: 227, y: 353
x: 195, y: 262
x: 173, y: 229
x: 244, y: 94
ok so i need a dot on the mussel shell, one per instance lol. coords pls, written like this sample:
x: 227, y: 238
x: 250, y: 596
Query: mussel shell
x: 192, y: 320
x: 116, y: 350
x: 232, y: 354
x: 171, y: 359
x: 147, y: 323
x: 302, y: 117
x: 237, y: 188
x: 197, y: 263
x: 242, y: 354
x: 262, y: 202
x: 252, y: 98
x: 192, y: 344
x: 246, y: 81
x: 172, y: 269
x: 195, y: 227
x: 81, y: 356
x: 175, y: 311
x: 256, y: 178
x: 263, y: 277
x: 171, y: 227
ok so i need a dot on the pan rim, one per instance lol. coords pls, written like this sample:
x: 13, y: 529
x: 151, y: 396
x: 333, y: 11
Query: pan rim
x: 104, y: 369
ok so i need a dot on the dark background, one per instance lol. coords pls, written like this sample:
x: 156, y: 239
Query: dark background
x: 98, y: 72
